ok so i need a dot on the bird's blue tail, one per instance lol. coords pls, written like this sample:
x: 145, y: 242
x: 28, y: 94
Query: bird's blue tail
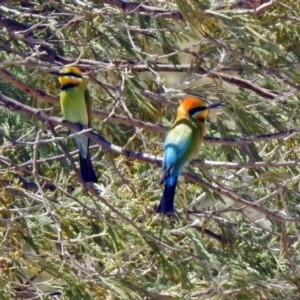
x: 86, y: 166
x: 86, y: 169
x: 166, y: 205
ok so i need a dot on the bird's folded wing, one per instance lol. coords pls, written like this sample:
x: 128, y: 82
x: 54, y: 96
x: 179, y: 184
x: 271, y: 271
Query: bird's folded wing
x: 177, y: 148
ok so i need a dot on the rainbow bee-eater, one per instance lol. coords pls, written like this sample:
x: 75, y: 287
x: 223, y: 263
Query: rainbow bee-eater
x: 182, y: 144
x: 76, y: 106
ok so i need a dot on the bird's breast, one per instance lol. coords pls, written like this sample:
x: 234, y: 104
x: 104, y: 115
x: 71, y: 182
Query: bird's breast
x: 73, y: 106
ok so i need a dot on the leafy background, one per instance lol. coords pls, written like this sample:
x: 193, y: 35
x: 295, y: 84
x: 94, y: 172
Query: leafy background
x: 236, y: 233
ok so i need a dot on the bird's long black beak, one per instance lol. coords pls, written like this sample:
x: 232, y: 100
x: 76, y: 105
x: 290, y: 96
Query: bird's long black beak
x: 57, y: 73
x: 214, y: 106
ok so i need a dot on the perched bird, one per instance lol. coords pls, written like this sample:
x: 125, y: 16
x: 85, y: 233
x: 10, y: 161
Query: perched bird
x: 181, y: 145
x: 76, y: 106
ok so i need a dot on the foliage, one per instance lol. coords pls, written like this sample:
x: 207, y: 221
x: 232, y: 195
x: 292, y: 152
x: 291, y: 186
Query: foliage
x: 236, y: 233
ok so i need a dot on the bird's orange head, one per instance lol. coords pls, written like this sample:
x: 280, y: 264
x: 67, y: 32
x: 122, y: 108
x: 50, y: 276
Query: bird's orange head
x: 195, y: 108
x: 69, y: 77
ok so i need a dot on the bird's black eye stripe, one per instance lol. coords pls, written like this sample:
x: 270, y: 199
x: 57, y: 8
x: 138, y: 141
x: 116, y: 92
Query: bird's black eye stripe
x: 196, y: 110
x: 68, y: 86
x: 70, y: 74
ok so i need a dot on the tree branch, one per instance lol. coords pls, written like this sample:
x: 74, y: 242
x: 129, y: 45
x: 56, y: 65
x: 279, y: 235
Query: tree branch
x: 14, y: 105
x: 136, y: 7
x: 17, y: 106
